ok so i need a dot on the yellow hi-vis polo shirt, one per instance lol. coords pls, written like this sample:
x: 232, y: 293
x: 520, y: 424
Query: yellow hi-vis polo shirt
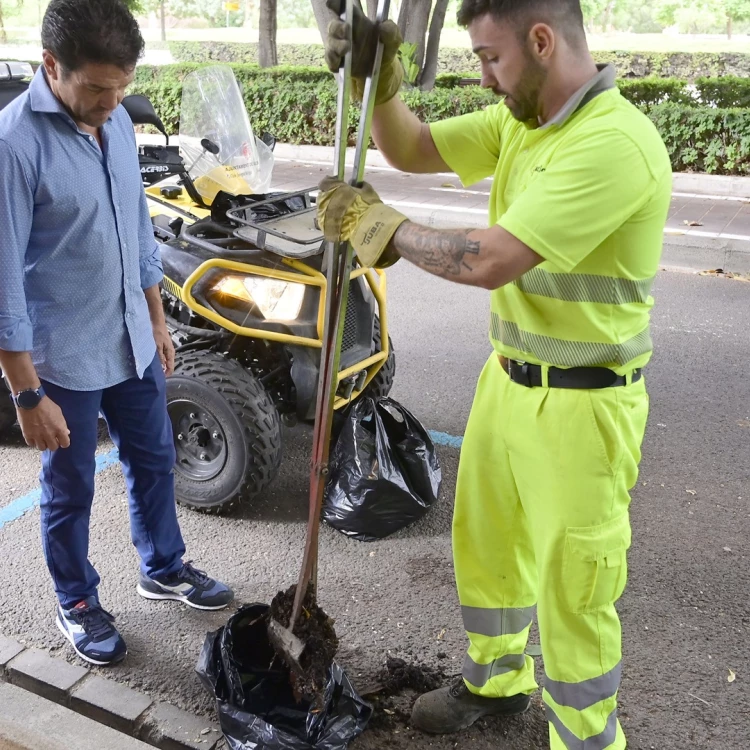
x: 589, y: 192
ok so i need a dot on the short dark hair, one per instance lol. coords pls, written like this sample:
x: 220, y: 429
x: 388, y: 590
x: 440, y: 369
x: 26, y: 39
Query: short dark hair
x: 562, y: 14
x: 77, y: 32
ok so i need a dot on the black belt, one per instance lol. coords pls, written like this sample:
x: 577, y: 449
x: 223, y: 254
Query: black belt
x: 585, y: 378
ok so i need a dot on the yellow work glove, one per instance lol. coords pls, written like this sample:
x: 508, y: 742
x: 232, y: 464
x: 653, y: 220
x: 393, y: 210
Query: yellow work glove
x: 357, y: 215
x: 365, y: 35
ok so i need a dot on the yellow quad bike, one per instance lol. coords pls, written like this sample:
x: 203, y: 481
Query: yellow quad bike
x: 244, y: 296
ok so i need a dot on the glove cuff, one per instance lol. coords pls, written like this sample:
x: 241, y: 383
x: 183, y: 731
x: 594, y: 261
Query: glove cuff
x: 374, y: 232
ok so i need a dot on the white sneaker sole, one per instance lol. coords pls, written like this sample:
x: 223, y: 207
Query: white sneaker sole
x: 83, y: 656
x: 166, y: 596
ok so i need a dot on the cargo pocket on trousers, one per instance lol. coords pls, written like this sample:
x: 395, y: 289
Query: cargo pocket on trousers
x: 595, y: 566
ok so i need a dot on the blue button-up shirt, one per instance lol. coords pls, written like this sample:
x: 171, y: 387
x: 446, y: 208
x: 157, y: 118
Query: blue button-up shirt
x: 76, y: 245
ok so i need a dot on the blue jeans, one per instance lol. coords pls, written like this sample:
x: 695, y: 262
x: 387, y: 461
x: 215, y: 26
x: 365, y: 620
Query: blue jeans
x: 136, y: 414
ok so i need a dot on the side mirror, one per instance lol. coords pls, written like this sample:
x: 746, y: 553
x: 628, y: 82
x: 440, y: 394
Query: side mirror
x: 269, y: 140
x: 210, y: 146
x: 142, y: 112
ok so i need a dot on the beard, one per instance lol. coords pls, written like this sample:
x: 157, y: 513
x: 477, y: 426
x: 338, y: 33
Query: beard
x: 523, y: 100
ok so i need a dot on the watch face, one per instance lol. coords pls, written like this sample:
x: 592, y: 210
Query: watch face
x: 28, y: 399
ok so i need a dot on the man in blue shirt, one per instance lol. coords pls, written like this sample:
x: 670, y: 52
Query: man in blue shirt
x: 82, y: 329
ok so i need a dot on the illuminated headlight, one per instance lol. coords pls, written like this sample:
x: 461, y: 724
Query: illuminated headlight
x: 276, y: 300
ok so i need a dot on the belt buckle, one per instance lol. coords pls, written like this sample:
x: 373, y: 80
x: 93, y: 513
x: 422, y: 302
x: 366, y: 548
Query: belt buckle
x: 526, y: 373
x: 524, y: 378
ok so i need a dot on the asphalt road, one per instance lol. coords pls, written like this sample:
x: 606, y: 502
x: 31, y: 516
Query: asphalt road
x: 685, y: 612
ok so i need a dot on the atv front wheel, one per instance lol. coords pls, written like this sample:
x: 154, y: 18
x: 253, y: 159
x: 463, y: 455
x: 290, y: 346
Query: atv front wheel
x: 227, y: 432
x: 7, y: 409
x: 380, y: 386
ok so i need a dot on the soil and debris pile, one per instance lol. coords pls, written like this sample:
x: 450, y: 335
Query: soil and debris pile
x: 398, y: 675
x: 315, y: 629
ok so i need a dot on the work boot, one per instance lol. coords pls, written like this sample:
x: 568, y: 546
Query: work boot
x: 451, y: 709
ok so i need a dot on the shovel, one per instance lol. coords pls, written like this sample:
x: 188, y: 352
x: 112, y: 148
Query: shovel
x: 339, y: 257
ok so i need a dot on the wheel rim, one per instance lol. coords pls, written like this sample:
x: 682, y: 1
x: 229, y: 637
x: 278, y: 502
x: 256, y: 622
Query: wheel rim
x: 199, y: 440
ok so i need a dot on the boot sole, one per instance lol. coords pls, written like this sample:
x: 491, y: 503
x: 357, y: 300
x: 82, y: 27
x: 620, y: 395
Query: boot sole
x: 167, y: 596
x: 69, y: 638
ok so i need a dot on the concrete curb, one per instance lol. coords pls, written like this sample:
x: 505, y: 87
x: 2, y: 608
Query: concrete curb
x: 105, y: 701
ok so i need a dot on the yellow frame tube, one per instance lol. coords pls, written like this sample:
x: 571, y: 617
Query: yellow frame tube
x: 313, y: 279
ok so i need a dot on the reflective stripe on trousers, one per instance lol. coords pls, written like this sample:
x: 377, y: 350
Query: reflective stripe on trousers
x: 541, y: 520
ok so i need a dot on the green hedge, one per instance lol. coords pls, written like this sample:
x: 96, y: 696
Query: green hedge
x: 685, y: 65
x: 298, y: 105
x: 235, y: 52
x: 645, y: 92
x: 716, y: 141
x: 726, y: 92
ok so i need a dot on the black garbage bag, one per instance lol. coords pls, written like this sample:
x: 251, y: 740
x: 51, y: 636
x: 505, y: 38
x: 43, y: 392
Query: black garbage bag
x: 256, y: 706
x: 385, y: 473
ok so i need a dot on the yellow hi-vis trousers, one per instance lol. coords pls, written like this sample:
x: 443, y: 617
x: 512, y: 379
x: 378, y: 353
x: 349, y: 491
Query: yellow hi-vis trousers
x: 541, y: 520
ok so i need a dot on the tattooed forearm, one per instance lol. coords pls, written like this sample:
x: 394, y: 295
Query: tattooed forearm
x: 446, y: 253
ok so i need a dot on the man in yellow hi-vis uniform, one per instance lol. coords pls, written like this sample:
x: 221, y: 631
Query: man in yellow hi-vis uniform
x: 581, y: 191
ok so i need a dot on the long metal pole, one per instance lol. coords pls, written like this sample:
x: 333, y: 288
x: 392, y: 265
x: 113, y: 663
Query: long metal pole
x: 339, y: 259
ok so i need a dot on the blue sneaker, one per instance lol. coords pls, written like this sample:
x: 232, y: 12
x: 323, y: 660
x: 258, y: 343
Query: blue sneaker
x: 188, y: 585
x: 90, y: 631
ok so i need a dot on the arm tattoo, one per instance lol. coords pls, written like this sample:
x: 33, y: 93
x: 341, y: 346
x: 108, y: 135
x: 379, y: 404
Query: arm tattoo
x: 446, y: 253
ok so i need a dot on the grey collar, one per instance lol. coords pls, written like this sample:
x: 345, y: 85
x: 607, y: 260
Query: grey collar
x: 603, y: 81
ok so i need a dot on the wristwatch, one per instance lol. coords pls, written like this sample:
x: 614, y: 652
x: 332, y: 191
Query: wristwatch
x: 29, y: 399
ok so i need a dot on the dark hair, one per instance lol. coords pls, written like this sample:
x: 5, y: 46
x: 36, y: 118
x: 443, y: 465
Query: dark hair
x: 77, y: 32
x: 565, y: 15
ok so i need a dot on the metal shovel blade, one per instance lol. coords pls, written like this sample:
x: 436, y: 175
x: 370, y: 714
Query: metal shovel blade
x: 286, y: 644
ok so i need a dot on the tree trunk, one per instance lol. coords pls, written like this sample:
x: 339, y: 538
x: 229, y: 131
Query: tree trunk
x: 429, y: 72
x: 372, y: 8
x: 323, y: 17
x: 413, y: 20
x: 267, y: 56
x: 163, y: 13
x: 729, y: 27
x: 3, y: 35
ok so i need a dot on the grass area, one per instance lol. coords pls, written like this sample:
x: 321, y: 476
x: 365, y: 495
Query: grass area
x: 450, y: 38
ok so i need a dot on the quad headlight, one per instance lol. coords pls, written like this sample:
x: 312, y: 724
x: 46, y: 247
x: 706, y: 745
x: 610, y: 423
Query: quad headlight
x: 276, y: 299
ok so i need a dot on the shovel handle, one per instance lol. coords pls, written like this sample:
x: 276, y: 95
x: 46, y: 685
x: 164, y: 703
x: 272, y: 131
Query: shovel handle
x: 339, y: 259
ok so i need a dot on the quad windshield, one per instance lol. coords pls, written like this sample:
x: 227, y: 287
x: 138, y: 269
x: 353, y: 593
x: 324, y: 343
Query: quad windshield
x: 219, y: 147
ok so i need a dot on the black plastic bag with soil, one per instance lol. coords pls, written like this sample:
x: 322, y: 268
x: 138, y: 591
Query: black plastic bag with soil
x: 385, y: 473
x: 255, y: 699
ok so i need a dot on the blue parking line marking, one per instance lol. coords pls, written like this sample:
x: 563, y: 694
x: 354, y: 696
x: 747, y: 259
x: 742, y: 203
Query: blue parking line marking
x: 18, y: 507
x: 22, y: 505
x: 443, y: 438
